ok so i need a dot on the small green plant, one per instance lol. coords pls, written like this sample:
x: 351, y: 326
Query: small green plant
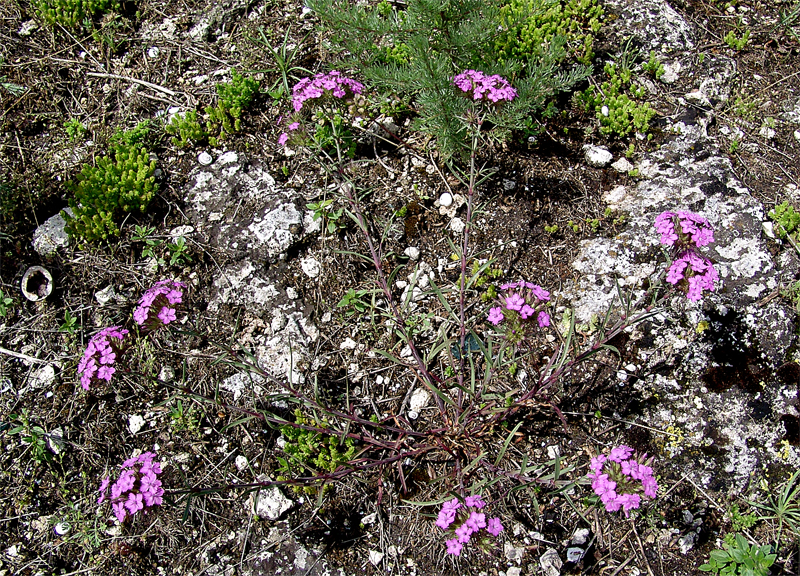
x: 792, y: 293
x: 738, y: 558
x: 634, y: 173
x: 234, y: 97
x: 183, y: 419
x: 785, y: 507
x: 69, y: 323
x: 311, y: 451
x: 283, y: 57
x: 735, y: 42
x: 615, y: 101
x: 745, y: 107
x: 354, y: 299
x: 654, y: 66
x: 786, y: 219
x: 10, y: 87
x: 178, y: 252
x: 741, y: 521
x: 594, y: 224
x: 74, y: 129
x: 789, y: 22
x: 552, y: 229
x: 136, y: 136
x: 185, y: 129
x: 734, y: 145
x: 73, y: 13
x: 333, y: 219
x: 118, y: 184
x: 5, y: 304
x: 630, y: 151
x: 32, y: 435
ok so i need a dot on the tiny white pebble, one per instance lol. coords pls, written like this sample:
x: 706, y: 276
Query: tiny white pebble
x: 604, y: 111
x: 445, y: 199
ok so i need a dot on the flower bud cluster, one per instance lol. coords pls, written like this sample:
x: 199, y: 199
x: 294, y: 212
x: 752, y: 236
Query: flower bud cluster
x: 621, y: 480
x: 100, y: 355
x: 137, y: 487
x: 483, y: 87
x: 469, y: 521
x: 518, y: 304
x: 686, y: 232
x: 156, y: 307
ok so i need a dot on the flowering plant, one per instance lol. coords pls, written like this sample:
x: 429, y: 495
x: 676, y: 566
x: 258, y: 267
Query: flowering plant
x: 519, y: 303
x: 621, y: 479
x: 686, y: 232
x: 137, y: 487
x: 100, y: 355
x: 157, y: 306
x: 468, y: 521
x: 483, y: 87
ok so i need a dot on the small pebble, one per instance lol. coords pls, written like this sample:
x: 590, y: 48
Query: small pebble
x: 446, y: 199
x: 153, y: 52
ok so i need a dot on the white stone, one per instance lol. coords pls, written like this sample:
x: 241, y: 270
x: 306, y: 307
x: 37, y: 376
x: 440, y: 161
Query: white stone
x: 550, y: 562
x: 671, y: 72
x: 269, y: 503
x: 615, y: 196
x: 205, y: 158
x: 514, y: 571
x: 348, y: 344
x: 135, y: 423
x: 27, y: 28
x: 105, y: 295
x: 457, y: 225
x: 412, y: 252
x: 767, y: 132
x: 581, y: 536
x: 575, y: 555
x: 181, y: 231
x: 797, y: 135
x: 153, y: 52
x: 375, y: 557
x: 311, y: 267
x: 446, y: 199
x: 43, y: 377
x: 241, y: 462
x: 622, y: 165
x: 51, y: 235
x: 291, y: 293
x: 230, y: 157
x: 769, y: 229
x: 597, y: 156
x: 369, y: 519
x: 604, y: 111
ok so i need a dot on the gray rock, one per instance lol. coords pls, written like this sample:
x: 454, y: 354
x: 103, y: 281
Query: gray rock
x: 550, y: 562
x: 105, y: 295
x: 622, y: 165
x: 654, y: 24
x: 597, y: 156
x: 311, y: 267
x: 51, y: 235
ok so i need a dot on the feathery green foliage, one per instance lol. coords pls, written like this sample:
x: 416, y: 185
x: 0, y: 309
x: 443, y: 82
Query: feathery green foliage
x: 424, y: 46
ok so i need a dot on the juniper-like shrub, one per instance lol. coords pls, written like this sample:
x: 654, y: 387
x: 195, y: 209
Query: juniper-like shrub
x: 440, y: 39
x: 119, y: 183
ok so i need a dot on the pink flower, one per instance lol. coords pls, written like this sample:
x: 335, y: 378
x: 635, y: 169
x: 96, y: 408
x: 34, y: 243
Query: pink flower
x: 475, y: 501
x: 454, y: 547
x: 543, y: 319
x: 283, y: 139
x: 495, y: 315
x: 167, y: 315
x: 515, y: 302
x: 464, y: 532
x: 620, y: 453
x: 494, y: 527
x: 476, y: 521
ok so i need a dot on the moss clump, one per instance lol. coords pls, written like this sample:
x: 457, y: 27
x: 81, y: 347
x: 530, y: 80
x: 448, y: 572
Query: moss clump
x: 118, y: 184
x: 185, y: 129
x: 528, y: 27
x: 73, y: 13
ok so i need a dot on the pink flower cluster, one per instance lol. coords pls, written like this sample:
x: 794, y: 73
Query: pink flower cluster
x: 694, y: 228
x: 494, y: 88
x: 137, y: 487
x: 621, y: 480
x: 686, y: 232
x: 469, y: 521
x: 100, y: 355
x: 332, y: 82
x: 520, y: 300
x: 156, y: 307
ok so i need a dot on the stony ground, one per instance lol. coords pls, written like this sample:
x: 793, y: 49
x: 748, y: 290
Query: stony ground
x: 709, y: 389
